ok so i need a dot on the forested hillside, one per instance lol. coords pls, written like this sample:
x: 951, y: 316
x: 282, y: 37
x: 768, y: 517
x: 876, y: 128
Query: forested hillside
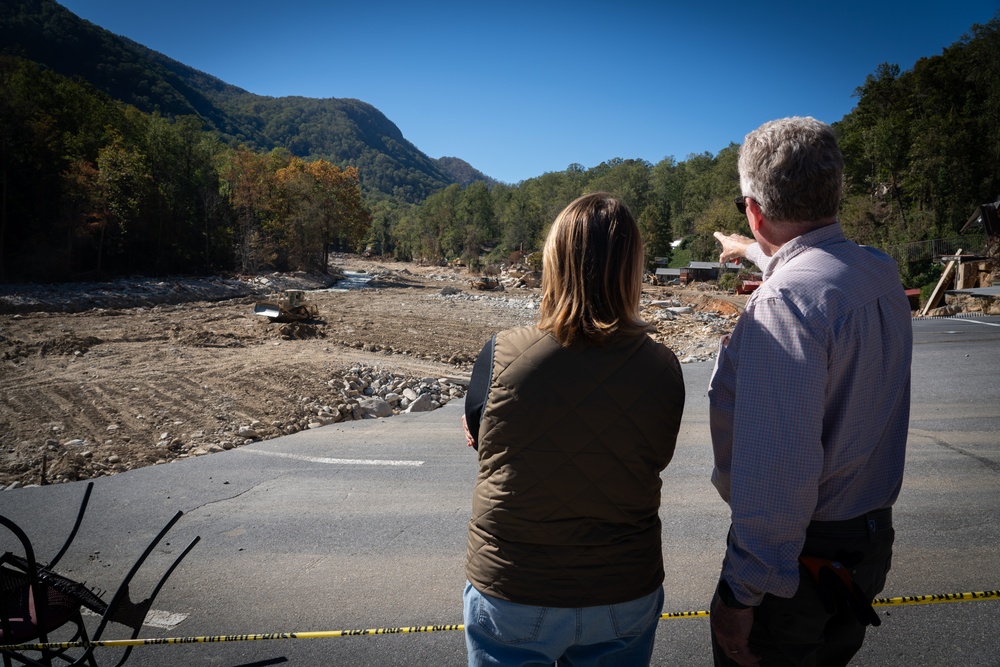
x: 90, y: 186
x: 922, y: 150
x: 341, y: 131
x: 115, y: 159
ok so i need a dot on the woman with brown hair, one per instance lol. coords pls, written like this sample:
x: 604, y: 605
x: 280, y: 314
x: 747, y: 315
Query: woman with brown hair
x: 573, y: 420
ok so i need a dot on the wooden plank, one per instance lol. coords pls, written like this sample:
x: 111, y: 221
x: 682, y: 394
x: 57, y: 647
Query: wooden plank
x: 939, y: 289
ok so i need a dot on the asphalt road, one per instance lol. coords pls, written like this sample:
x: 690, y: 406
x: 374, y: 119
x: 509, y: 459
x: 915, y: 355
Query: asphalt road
x: 362, y: 525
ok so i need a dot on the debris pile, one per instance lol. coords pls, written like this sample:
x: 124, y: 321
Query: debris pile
x: 147, y: 292
x: 103, y: 378
x: 691, y: 328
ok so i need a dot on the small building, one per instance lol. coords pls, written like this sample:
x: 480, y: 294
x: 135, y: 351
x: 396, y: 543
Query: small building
x: 665, y: 276
x: 703, y: 271
x: 693, y: 272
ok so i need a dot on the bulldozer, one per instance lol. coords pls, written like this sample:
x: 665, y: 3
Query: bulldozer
x: 486, y: 283
x: 292, y: 308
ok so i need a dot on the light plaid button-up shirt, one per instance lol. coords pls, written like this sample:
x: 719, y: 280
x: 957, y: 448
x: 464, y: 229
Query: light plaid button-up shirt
x: 810, y: 403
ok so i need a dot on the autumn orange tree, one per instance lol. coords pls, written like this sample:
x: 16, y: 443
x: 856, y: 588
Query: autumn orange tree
x: 321, y: 207
x: 342, y: 217
x: 247, y: 180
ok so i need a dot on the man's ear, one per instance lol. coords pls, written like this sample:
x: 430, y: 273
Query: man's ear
x: 754, y: 215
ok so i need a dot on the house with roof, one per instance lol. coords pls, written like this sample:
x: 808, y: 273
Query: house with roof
x: 694, y: 272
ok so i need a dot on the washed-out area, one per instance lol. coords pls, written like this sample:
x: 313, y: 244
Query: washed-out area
x: 101, y: 378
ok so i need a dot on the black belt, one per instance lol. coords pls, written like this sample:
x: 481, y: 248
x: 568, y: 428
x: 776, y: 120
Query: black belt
x: 866, y: 525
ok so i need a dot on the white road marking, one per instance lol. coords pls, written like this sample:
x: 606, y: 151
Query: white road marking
x: 155, y: 618
x: 351, y: 462
x: 972, y: 321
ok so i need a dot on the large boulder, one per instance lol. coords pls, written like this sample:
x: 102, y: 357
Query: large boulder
x: 375, y: 407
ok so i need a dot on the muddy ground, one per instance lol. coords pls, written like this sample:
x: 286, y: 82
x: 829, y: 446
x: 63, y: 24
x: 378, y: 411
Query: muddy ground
x: 134, y: 380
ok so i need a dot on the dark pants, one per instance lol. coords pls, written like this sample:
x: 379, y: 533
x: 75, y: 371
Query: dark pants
x: 800, y: 631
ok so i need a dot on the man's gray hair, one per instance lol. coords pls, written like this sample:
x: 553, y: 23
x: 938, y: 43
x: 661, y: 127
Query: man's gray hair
x: 793, y: 168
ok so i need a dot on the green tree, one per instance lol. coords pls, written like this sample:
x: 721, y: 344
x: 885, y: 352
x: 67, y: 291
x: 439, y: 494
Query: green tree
x: 654, y: 223
x: 668, y: 186
x: 884, y: 116
x: 521, y: 222
x: 381, y: 239
x: 443, y: 230
x: 628, y: 180
x: 692, y: 180
x: 475, y: 212
x: 126, y: 185
x: 718, y: 184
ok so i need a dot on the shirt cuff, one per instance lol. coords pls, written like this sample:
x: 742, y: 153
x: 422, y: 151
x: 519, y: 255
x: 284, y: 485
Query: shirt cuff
x: 725, y: 593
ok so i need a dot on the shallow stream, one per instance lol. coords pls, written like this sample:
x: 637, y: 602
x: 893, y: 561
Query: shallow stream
x: 352, y: 280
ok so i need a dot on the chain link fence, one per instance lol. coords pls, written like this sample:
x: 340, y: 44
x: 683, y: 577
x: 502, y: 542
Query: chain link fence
x: 970, y: 244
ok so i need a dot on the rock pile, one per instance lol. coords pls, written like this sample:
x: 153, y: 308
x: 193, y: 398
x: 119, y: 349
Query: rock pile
x: 691, y: 329
x: 967, y: 303
x: 527, y: 305
x: 372, y: 393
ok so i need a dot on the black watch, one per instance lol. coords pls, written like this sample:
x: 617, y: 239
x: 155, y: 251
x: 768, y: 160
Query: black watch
x: 725, y: 594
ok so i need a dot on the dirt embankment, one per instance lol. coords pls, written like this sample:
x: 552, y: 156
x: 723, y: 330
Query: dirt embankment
x: 92, y: 385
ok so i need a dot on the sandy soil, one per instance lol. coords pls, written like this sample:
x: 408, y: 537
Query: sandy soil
x: 108, y: 389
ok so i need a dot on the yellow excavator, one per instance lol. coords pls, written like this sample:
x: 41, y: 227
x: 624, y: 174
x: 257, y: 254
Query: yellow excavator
x: 292, y: 308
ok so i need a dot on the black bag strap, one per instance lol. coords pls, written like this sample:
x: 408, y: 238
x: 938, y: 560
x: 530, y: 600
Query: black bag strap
x: 479, y: 388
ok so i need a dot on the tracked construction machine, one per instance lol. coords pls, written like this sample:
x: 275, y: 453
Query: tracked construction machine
x: 292, y: 308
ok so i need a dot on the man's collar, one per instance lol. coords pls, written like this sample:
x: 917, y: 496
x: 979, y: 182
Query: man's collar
x: 821, y: 236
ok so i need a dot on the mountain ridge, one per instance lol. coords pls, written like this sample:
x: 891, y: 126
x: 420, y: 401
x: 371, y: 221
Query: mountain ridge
x: 344, y: 131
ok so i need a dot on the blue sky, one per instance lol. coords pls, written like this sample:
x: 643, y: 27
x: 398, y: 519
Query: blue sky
x: 518, y: 89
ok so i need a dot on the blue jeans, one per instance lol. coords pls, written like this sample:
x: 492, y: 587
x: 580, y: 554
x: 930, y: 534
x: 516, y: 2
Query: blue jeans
x: 498, y: 632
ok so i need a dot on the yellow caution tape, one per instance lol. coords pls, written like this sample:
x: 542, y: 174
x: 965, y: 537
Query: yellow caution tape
x: 121, y: 643
x: 216, y: 639
x: 932, y: 599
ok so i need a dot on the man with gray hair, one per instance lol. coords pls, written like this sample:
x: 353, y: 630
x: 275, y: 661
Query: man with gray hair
x: 809, y: 405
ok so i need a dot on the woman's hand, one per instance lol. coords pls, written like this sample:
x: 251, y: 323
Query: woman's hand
x: 469, y: 440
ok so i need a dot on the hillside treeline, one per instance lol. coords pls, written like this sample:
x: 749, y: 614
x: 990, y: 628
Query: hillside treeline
x: 90, y: 186
x: 481, y: 225
x: 922, y: 150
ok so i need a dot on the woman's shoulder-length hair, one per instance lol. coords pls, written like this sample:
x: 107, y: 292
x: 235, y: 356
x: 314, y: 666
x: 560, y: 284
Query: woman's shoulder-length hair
x: 592, y: 268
